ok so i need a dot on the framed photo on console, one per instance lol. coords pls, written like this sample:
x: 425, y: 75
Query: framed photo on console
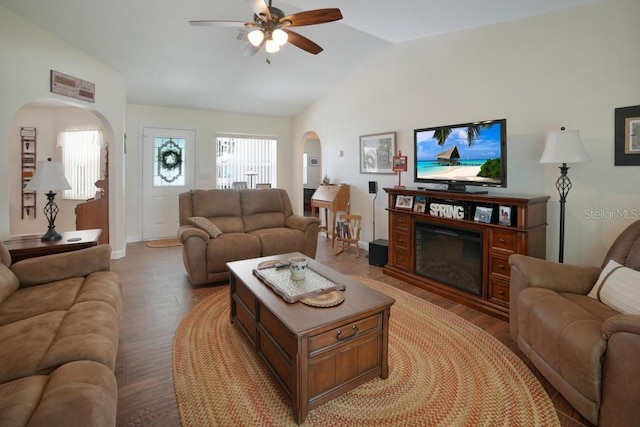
x: 420, y: 204
x: 483, y: 214
x: 404, y: 202
x: 504, y: 217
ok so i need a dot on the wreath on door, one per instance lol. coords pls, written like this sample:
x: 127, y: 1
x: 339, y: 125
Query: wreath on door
x: 169, y: 161
x: 171, y: 158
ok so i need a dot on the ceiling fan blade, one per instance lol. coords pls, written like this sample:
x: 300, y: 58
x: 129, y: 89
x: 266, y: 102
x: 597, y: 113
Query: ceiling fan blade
x: 260, y: 8
x: 302, y: 42
x: 206, y: 23
x: 312, y: 17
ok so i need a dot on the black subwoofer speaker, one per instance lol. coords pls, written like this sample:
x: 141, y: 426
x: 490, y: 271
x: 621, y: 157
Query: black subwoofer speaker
x: 373, y: 187
x: 379, y: 252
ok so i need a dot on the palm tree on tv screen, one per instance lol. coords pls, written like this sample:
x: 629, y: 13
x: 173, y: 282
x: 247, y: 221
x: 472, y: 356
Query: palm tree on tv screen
x: 473, y: 132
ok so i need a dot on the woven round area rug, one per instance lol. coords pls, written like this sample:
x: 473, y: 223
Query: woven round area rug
x: 443, y: 371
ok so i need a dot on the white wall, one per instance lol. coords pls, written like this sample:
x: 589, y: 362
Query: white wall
x: 207, y: 124
x: 569, y: 68
x: 28, y: 54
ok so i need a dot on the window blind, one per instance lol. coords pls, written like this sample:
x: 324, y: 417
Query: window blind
x: 81, y: 161
x: 248, y: 159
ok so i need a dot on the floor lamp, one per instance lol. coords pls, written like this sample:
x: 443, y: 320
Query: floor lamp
x: 49, y: 177
x: 563, y: 146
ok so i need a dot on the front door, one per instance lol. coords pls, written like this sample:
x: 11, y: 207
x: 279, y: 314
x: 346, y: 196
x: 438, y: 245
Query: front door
x: 168, y: 170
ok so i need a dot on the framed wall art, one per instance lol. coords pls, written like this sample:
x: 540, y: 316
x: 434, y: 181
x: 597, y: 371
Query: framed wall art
x: 627, y: 136
x: 376, y: 153
x: 313, y: 161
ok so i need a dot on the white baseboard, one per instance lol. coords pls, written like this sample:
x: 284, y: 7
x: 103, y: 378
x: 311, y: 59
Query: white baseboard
x: 118, y: 254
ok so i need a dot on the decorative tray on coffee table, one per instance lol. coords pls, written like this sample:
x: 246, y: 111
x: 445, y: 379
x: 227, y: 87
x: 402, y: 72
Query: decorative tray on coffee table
x: 314, y: 284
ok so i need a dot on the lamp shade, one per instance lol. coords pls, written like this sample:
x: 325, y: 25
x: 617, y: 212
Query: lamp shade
x: 564, y: 146
x: 272, y: 46
x: 255, y: 37
x: 49, y: 176
x: 279, y: 36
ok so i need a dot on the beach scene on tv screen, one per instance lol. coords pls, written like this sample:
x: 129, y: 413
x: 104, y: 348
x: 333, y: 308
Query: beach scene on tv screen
x: 467, y: 153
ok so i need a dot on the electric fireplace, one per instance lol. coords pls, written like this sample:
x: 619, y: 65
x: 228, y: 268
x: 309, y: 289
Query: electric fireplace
x: 449, y: 255
x: 439, y: 246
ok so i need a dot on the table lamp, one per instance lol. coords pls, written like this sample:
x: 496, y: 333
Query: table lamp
x: 49, y: 177
x: 563, y: 146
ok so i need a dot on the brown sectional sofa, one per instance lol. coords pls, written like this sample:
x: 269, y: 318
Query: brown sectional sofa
x: 253, y: 223
x: 587, y: 350
x: 59, y: 329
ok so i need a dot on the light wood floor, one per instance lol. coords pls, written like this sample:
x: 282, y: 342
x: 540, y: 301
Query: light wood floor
x: 157, y: 295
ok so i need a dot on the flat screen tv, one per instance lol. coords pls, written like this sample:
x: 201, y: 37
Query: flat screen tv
x: 467, y: 154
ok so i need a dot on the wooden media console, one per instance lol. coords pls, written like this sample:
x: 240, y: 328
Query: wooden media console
x: 458, y: 244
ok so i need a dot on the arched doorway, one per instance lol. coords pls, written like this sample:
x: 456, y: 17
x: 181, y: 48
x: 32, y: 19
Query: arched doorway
x: 48, y: 117
x: 311, y: 168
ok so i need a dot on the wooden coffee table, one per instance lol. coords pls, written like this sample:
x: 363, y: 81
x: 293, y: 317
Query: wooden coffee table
x: 314, y: 354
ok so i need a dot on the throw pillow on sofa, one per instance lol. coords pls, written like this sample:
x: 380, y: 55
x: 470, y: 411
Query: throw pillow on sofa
x: 206, y: 225
x: 618, y: 288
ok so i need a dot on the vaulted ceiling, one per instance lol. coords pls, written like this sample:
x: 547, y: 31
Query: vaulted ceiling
x: 168, y: 62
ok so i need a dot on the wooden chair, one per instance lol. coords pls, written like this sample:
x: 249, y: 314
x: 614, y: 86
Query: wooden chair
x: 239, y: 185
x: 347, y: 232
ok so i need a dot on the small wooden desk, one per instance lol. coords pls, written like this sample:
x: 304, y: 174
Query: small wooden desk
x: 332, y: 198
x: 30, y: 245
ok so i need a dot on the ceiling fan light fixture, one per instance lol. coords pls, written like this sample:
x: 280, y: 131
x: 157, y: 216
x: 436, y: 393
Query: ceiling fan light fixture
x: 272, y: 46
x: 272, y: 28
x: 255, y: 37
x: 280, y: 37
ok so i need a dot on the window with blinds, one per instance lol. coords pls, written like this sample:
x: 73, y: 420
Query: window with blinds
x: 246, y: 159
x: 81, y: 161
x: 305, y: 169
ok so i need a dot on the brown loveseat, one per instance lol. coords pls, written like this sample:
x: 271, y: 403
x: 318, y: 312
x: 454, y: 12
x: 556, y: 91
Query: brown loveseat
x: 59, y: 318
x: 587, y: 350
x: 239, y: 224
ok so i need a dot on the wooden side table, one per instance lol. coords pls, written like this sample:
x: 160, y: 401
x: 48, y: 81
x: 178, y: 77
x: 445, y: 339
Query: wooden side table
x: 30, y: 245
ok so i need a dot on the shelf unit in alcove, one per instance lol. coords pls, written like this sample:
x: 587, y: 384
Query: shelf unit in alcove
x: 28, y: 169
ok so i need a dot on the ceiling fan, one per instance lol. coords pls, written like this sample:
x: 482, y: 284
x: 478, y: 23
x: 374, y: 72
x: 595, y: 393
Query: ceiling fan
x: 271, y: 27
